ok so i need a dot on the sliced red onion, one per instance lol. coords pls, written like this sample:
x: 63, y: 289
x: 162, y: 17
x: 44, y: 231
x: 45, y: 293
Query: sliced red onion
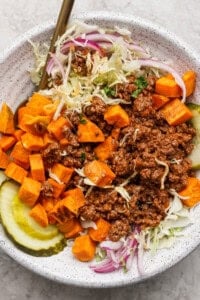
x: 167, y: 68
x: 109, y: 245
x: 98, y: 37
x: 82, y: 43
x: 120, y: 254
x: 106, y: 266
x: 50, y: 66
x: 58, y: 63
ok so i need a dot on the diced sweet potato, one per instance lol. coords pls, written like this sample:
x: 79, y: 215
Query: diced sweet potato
x: 104, y: 150
x: 84, y: 248
x: 117, y: 116
x: 56, y: 127
x: 175, y: 112
x: 189, y: 78
x: 29, y: 191
x: 89, y: 132
x: 101, y: 233
x: 6, y: 120
x: 58, y: 188
x: 37, y: 101
x: 7, y: 141
x: 4, y: 159
x: 63, y: 173
x: 39, y: 214
x: 15, y: 172
x: 74, y: 200
x: 70, y: 228
x: 159, y: 101
x: 32, y: 142
x: 37, y: 167
x: 192, y: 191
x: 20, y: 155
x: 99, y: 173
x: 168, y: 87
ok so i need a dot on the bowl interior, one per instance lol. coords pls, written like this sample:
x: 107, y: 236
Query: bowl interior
x: 15, y: 86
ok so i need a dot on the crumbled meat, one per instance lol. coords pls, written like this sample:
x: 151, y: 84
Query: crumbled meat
x: 52, y: 154
x: 46, y: 190
x: 119, y: 228
x: 96, y: 108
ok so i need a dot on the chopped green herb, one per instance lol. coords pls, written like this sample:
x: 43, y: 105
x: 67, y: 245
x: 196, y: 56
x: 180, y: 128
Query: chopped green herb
x: 82, y: 120
x: 109, y: 91
x: 83, y: 156
x: 141, y: 84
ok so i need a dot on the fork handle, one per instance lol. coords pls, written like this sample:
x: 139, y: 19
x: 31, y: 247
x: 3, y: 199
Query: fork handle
x: 60, y: 28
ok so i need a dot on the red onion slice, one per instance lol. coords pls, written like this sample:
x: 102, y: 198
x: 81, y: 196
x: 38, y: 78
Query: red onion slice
x: 109, y: 245
x: 98, y: 37
x: 165, y: 67
x: 58, y: 63
x: 82, y: 43
x: 50, y: 66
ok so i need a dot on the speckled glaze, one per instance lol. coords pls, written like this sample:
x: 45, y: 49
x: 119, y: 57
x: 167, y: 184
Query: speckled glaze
x: 15, y: 86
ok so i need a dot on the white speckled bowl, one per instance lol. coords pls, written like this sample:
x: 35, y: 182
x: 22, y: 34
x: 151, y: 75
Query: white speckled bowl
x: 15, y: 86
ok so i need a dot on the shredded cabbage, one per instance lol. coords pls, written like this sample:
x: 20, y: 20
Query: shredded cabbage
x: 163, y: 236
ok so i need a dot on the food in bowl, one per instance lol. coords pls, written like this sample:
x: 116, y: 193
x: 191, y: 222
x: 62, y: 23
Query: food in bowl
x: 100, y: 158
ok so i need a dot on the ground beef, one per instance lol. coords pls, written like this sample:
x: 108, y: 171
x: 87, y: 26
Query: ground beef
x: 52, y: 154
x: 97, y: 108
x: 46, y: 190
x: 119, y: 229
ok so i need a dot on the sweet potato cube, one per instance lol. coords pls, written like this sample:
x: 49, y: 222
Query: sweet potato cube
x: 48, y: 204
x: 58, y: 188
x: 50, y: 109
x: 48, y: 139
x: 89, y: 132
x: 20, y: 155
x: 34, y: 124
x: 74, y: 199
x: 104, y: 150
x: 189, y: 78
x: 56, y: 127
x: 167, y: 87
x: 37, y: 101
x: 18, y: 133
x: 84, y: 248
x: 4, y: 159
x: 175, y: 112
x: 101, y: 233
x: 39, y: 214
x: 159, y: 100
x: 63, y: 173
x: 6, y: 120
x: 15, y: 172
x: 192, y: 191
x: 117, y: 116
x: 71, y: 204
x: 70, y: 228
x: 32, y: 142
x: 99, y: 173
x: 6, y: 142
x: 29, y: 191
x: 37, y: 167
x: 77, y: 194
